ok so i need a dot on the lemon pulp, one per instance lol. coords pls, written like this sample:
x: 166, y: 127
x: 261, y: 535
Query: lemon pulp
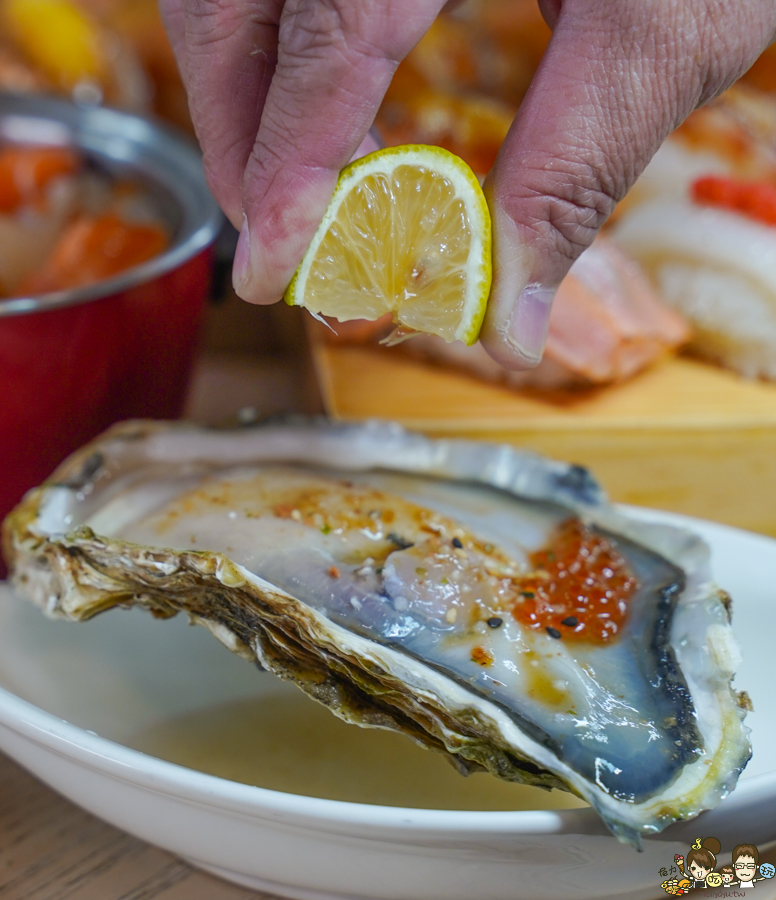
x: 407, y: 233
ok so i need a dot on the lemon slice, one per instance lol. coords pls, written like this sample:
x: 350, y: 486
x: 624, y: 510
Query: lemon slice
x: 407, y: 232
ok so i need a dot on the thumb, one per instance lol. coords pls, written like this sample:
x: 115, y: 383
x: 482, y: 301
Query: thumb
x: 614, y: 81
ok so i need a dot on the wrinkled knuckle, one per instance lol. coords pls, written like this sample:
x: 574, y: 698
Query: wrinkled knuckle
x: 348, y: 30
x: 212, y: 22
x: 309, y: 27
x: 570, y: 213
x: 209, y: 23
x: 571, y: 227
x: 207, y: 13
x: 731, y: 35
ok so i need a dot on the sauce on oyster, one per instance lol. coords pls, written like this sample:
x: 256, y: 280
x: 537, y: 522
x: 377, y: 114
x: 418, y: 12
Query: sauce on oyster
x: 373, y: 558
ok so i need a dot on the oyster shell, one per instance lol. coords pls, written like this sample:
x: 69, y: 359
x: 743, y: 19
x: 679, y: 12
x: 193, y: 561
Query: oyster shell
x: 410, y: 584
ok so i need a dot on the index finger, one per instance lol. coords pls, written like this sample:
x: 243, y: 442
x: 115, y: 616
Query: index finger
x: 335, y: 61
x: 227, y: 53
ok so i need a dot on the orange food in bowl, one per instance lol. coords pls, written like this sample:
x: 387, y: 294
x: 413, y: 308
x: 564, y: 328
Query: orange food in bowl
x: 25, y: 172
x: 65, y: 223
x: 92, y: 248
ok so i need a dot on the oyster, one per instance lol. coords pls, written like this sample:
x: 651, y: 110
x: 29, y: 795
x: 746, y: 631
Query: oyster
x: 486, y: 602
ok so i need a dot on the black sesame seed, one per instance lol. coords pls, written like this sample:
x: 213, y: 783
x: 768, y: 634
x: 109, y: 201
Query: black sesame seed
x: 529, y: 594
x: 457, y: 543
x: 553, y: 632
x: 571, y: 621
x: 495, y: 622
x: 400, y: 542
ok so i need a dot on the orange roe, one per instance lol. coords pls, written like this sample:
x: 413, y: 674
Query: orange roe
x: 580, y: 588
x: 756, y: 199
x: 482, y: 657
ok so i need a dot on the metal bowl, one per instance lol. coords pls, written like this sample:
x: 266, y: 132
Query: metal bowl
x: 73, y: 362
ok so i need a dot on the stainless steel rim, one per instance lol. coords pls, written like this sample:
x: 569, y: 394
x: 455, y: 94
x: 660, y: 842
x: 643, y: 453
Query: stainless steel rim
x: 150, y: 149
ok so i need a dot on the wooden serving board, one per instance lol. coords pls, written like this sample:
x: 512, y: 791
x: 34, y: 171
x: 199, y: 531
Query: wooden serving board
x: 683, y: 436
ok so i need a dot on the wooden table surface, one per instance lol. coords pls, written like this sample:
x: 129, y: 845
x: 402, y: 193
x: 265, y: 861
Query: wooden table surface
x: 683, y: 436
x: 52, y: 850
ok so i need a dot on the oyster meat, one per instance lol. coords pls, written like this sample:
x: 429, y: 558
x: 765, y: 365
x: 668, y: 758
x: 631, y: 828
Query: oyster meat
x: 489, y: 603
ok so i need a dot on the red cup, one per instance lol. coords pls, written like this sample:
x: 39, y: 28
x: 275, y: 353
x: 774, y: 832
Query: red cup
x: 74, y: 362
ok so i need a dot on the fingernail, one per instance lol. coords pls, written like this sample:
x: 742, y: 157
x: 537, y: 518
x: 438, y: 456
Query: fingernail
x: 241, y: 267
x: 530, y: 322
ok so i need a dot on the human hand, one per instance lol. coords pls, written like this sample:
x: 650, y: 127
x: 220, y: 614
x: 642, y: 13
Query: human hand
x: 283, y: 92
x: 615, y: 80
x: 282, y: 95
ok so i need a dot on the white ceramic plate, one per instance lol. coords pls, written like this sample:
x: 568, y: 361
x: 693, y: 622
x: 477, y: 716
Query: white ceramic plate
x: 70, y: 695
